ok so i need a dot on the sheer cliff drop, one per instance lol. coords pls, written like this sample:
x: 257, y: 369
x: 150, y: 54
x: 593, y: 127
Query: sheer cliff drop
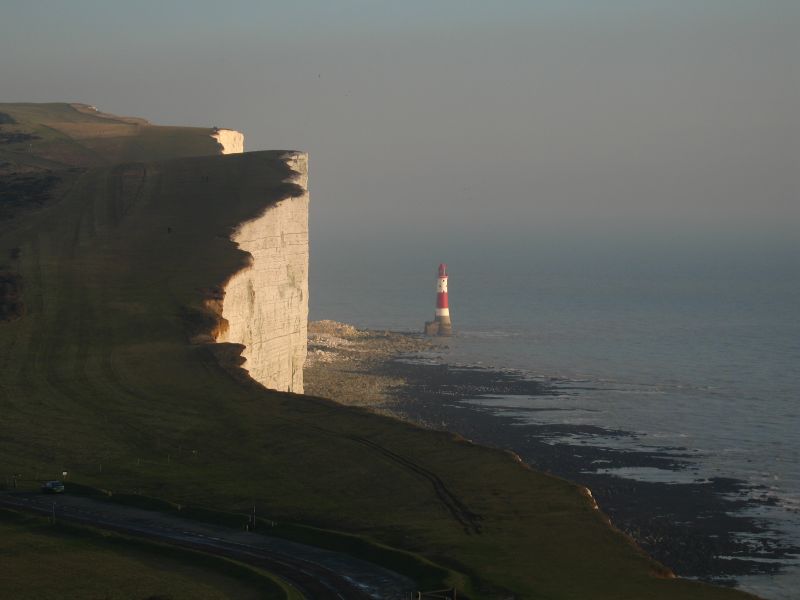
x: 266, y: 304
x: 441, y: 324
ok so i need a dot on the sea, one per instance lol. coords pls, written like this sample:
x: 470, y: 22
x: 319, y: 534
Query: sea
x: 692, y: 344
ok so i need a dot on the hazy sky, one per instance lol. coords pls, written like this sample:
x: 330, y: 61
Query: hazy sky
x: 556, y: 117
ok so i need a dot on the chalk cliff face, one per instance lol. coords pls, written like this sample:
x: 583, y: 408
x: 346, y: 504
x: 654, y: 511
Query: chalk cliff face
x: 266, y: 304
x: 230, y: 141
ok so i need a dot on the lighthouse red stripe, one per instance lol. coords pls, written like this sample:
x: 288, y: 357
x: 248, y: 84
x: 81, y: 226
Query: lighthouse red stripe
x: 441, y: 300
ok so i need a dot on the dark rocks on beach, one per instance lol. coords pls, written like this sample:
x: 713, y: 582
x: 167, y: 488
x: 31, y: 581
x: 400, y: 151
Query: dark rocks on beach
x: 695, y: 528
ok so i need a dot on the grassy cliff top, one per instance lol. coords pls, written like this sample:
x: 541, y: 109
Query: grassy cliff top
x: 58, y: 135
x: 99, y: 378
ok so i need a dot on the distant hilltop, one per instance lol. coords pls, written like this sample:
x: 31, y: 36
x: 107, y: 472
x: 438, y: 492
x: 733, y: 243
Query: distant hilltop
x: 58, y: 135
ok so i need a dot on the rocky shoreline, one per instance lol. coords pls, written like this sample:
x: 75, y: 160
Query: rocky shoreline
x: 695, y: 528
x: 349, y: 364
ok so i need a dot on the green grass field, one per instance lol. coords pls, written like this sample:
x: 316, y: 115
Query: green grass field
x: 98, y: 378
x: 39, y: 560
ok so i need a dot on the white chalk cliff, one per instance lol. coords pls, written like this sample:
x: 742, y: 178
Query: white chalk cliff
x: 266, y: 304
x: 229, y: 140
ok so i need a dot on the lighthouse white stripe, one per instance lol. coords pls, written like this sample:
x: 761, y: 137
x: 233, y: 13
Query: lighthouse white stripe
x: 442, y: 312
x: 442, y: 285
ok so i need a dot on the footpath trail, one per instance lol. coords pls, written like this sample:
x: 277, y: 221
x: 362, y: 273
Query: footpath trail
x: 315, y: 572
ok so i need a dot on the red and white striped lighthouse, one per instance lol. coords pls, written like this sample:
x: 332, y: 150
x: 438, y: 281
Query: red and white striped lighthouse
x: 441, y: 324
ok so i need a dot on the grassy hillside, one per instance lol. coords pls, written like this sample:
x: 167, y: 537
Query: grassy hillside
x: 52, y: 136
x: 97, y: 377
x: 45, y: 561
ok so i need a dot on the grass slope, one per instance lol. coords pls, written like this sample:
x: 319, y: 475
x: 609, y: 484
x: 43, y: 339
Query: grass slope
x: 40, y: 560
x: 58, y: 135
x: 98, y: 378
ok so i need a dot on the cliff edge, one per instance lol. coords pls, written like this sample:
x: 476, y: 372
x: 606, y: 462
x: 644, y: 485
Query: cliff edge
x: 265, y: 307
x: 230, y: 141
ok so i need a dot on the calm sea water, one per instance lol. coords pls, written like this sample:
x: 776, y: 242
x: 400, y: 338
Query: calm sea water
x: 695, y: 347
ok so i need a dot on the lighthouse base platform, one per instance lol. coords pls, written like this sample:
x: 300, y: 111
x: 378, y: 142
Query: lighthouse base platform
x: 436, y: 328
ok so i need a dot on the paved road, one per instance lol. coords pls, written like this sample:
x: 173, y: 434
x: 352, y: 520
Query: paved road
x: 317, y: 573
